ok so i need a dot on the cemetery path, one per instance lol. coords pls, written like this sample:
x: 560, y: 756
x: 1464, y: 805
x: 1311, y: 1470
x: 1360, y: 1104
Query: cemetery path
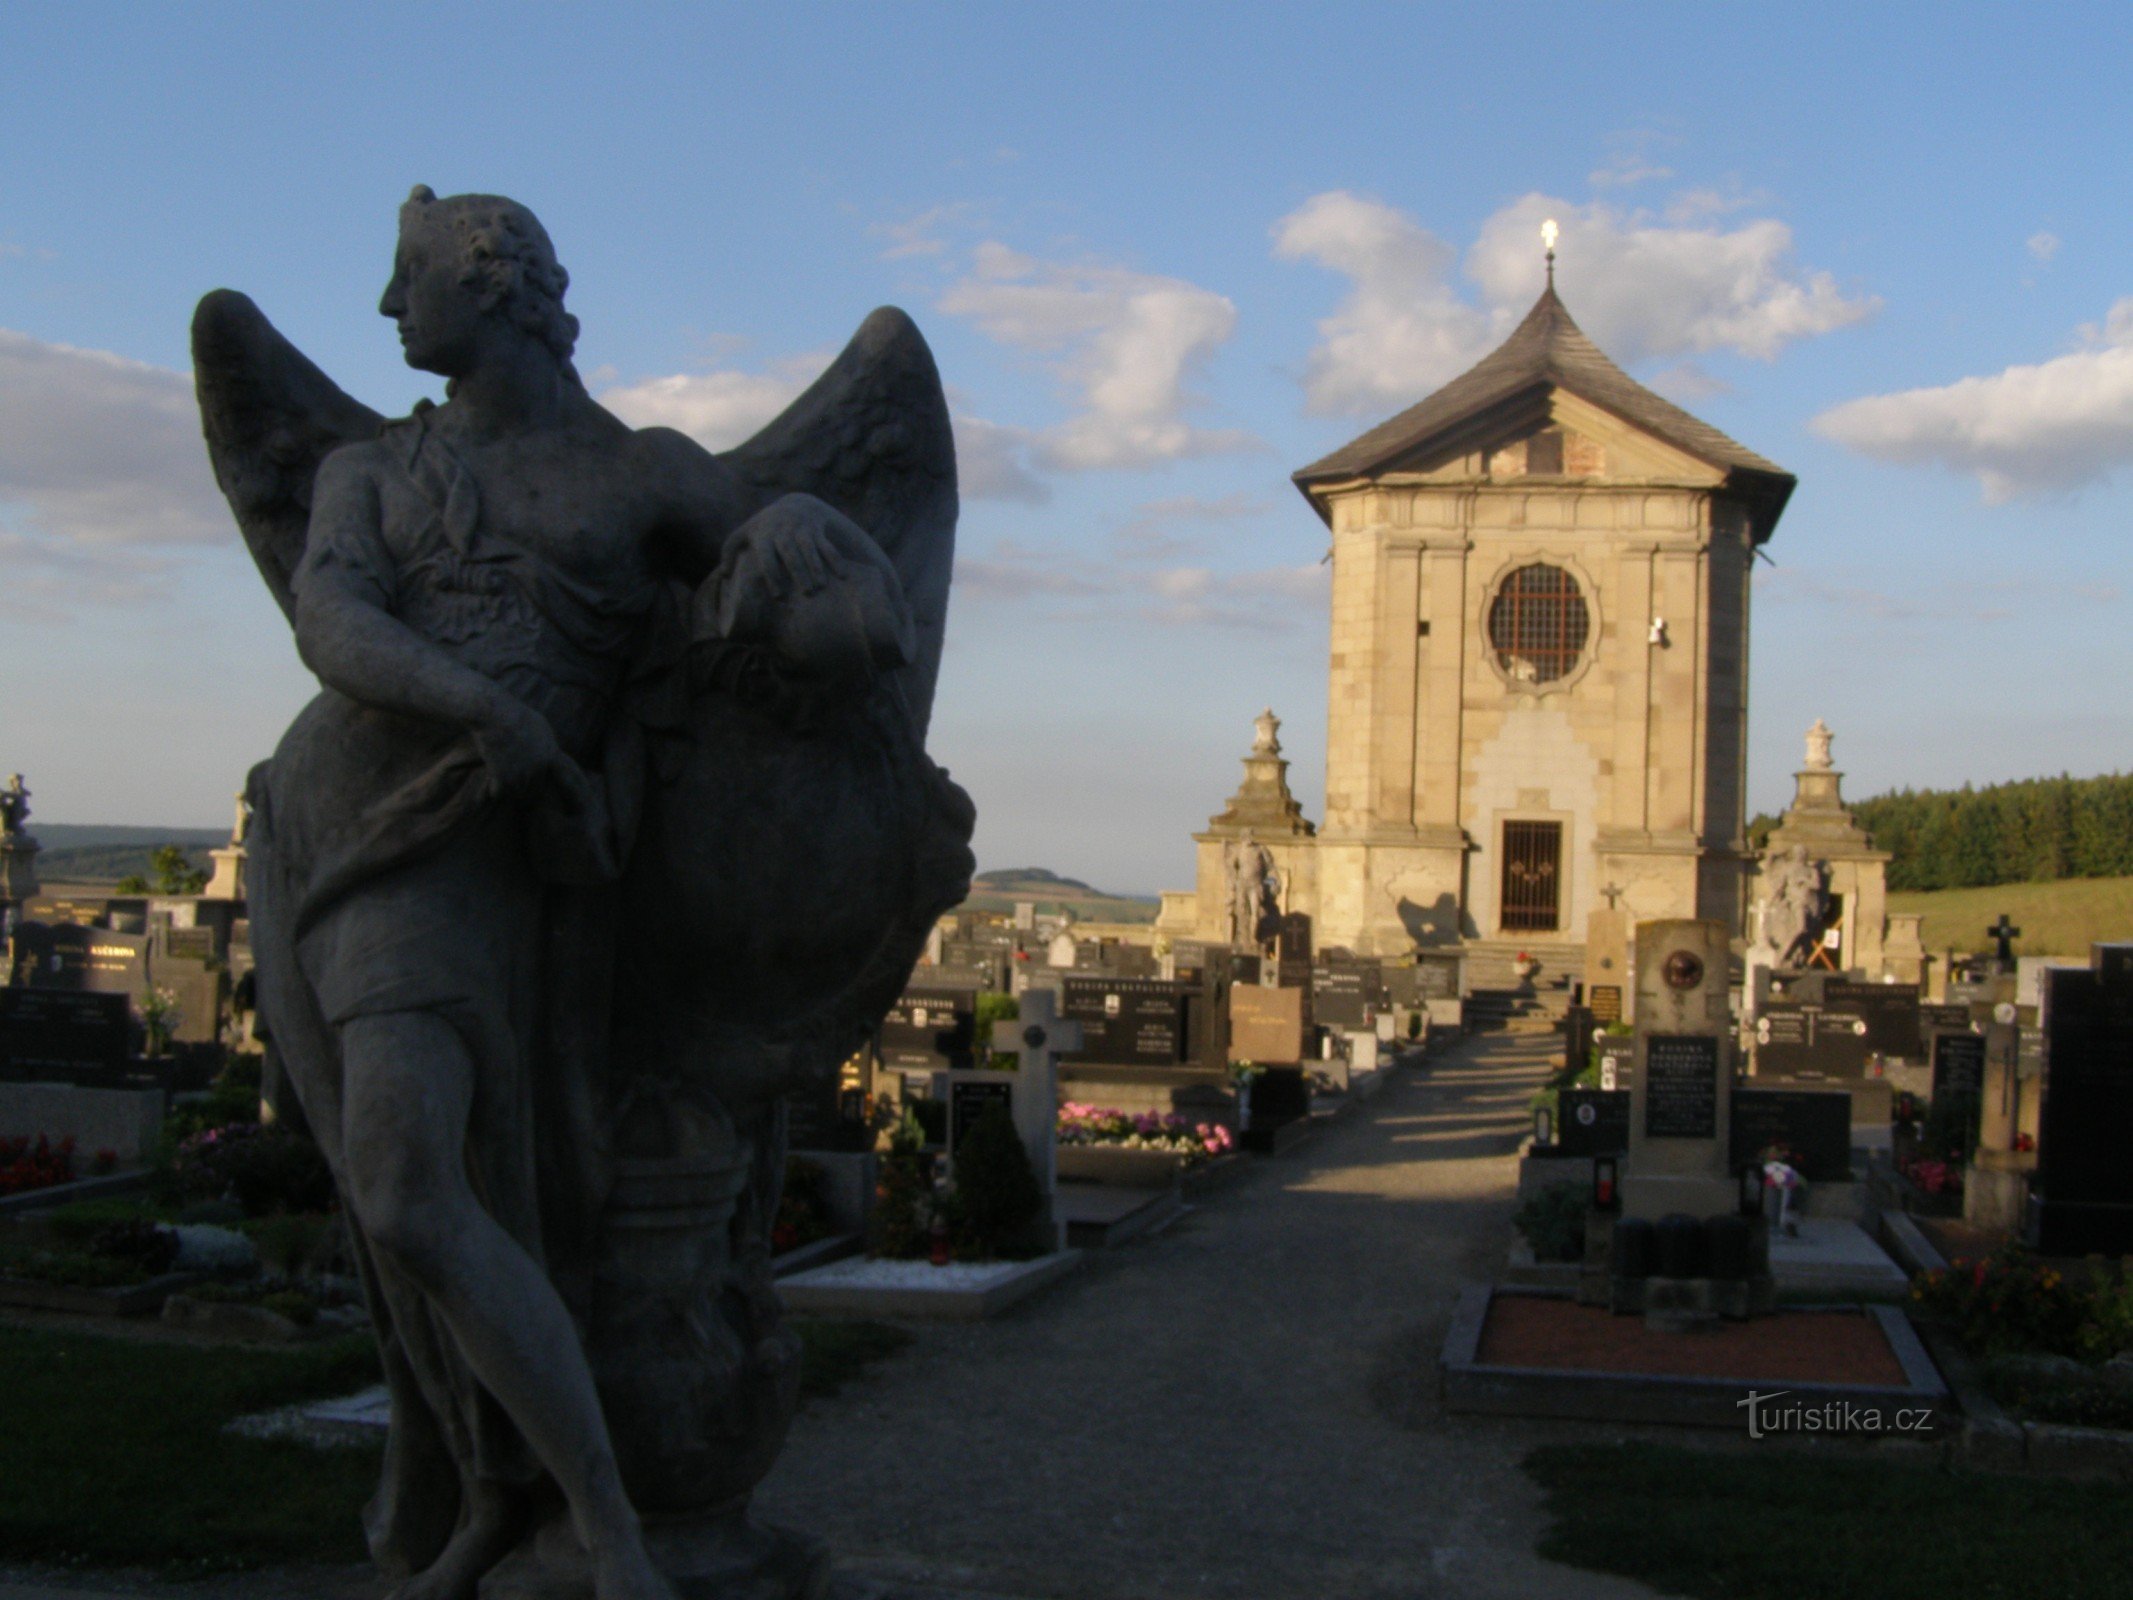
x: 1241, y: 1406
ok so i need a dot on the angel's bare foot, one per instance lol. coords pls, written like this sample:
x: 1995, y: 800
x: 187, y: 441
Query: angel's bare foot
x: 485, y: 1538
x: 627, y: 1573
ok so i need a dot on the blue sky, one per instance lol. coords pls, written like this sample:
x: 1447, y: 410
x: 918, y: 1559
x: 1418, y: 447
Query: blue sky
x: 1165, y: 255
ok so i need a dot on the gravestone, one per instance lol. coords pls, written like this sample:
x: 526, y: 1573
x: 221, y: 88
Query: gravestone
x: 1604, y: 1001
x: 970, y: 1096
x: 63, y: 1035
x: 72, y: 955
x: 1959, y: 1075
x: 1346, y: 994
x: 1618, y: 1055
x: 1292, y: 951
x: 2082, y: 1195
x: 1683, y: 1074
x: 1798, y: 1034
x: 1275, y: 1098
x: 1890, y: 1012
x: 1592, y: 1122
x: 1038, y: 1039
x: 1814, y: 1125
x: 831, y: 1116
x: 929, y: 1029
x: 1130, y: 1022
x: 1266, y: 1025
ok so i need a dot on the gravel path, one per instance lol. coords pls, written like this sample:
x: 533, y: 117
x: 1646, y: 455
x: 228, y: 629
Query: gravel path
x: 1243, y: 1406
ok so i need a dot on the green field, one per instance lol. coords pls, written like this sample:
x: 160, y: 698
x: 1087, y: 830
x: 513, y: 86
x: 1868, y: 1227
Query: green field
x: 2061, y: 918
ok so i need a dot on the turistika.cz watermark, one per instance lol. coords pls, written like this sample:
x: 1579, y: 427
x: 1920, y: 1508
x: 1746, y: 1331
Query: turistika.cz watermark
x: 1769, y: 1414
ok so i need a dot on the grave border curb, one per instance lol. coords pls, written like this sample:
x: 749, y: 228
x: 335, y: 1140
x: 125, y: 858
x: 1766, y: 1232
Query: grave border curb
x: 1466, y: 1385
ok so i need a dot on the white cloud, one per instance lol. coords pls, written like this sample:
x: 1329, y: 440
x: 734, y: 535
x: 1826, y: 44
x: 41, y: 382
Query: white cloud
x: 2053, y: 426
x: 1645, y: 285
x: 718, y: 409
x: 920, y: 233
x: 1126, y: 344
x: 99, y: 451
x: 992, y: 462
x: 1402, y: 330
x: 2043, y: 245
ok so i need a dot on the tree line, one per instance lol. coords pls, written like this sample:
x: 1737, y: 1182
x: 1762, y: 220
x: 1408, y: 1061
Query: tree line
x: 2031, y: 831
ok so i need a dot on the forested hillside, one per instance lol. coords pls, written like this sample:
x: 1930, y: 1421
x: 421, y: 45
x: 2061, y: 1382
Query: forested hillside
x: 2033, y: 831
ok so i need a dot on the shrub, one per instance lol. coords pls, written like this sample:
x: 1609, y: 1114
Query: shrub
x: 903, y: 1196
x: 2008, y: 1303
x: 997, y: 1195
x: 267, y: 1169
x: 1553, y: 1223
x: 294, y: 1244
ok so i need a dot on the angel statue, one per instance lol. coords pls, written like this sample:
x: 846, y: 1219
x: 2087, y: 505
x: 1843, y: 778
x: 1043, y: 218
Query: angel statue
x: 611, y: 826
x: 1254, y: 892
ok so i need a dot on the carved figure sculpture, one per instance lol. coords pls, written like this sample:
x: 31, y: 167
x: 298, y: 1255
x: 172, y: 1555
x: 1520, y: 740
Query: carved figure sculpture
x: 611, y: 825
x: 1254, y: 892
x: 14, y: 805
x: 1795, y: 907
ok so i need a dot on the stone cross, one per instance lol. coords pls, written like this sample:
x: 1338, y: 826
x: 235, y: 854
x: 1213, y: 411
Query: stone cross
x: 2005, y: 933
x: 1613, y: 893
x: 1039, y: 1037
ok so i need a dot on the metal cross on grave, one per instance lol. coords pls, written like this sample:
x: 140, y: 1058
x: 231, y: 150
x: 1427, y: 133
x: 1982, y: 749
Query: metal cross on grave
x: 1039, y: 1037
x: 2005, y: 933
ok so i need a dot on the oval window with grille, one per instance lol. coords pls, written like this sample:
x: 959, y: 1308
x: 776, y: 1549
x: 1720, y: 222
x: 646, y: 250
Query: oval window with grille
x: 1538, y: 624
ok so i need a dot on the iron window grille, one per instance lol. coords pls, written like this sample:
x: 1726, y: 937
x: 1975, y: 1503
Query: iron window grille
x: 1538, y: 624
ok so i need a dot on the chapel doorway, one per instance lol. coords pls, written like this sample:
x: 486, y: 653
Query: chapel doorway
x: 1532, y: 877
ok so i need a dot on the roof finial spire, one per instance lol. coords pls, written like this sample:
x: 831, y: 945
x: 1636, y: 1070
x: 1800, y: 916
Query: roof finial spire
x: 1548, y: 238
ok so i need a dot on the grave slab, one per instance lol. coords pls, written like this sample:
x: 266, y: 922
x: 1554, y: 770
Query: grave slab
x: 963, y: 1291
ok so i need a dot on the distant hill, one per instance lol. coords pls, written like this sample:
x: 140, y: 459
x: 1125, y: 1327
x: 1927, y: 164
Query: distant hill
x: 2057, y: 919
x: 106, y: 852
x: 1000, y: 890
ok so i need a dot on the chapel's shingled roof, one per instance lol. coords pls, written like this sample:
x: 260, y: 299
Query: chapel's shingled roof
x: 1549, y: 348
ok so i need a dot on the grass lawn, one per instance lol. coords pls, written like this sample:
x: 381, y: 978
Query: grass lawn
x: 1787, y: 1525
x: 112, y: 1451
x: 2056, y: 919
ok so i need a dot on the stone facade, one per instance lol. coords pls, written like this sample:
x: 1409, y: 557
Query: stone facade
x: 1575, y: 735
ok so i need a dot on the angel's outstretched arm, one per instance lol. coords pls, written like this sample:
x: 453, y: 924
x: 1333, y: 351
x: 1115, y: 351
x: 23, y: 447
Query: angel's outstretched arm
x: 347, y: 634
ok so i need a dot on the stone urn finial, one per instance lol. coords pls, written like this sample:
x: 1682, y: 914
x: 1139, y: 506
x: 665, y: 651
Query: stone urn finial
x: 1266, y: 734
x: 1818, y: 738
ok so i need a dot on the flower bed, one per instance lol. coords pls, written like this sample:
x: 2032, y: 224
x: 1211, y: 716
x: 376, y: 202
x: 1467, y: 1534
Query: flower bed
x: 1167, y: 1133
x: 27, y: 1164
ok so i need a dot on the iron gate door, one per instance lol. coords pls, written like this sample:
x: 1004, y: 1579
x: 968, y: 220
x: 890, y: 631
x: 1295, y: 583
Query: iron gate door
x: 1532, y: 876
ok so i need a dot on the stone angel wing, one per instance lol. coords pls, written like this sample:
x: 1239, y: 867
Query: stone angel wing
x: 270, y: 417
x: 871, y: 438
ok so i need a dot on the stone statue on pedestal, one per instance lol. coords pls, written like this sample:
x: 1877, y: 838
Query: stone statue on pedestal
x: 1254, y: 892
x: 611, y: 826
x: 1795, y: 908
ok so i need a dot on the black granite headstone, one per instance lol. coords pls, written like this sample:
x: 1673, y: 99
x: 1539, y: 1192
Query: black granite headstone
x: 1958, y: 1064
x: 1130, y: 1022
x: 57, y: 1033
x: 1814, y: 1125
x: 1592, y: 1122
x: 2083, y: 1188
x: 968, y: 1100
x: 929, y: 1029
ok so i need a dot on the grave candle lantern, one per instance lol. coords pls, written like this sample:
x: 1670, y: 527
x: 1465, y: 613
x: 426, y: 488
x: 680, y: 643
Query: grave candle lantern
x: 1543, y: 1128
x: 1604, y: 1192
x: 1751, y: 1191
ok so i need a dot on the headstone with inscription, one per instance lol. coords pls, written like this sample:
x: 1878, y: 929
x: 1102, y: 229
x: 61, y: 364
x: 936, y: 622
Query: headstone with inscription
x: 1592, y: 1122
x: 1130, y: 1022
x: 1813, y: 1127
x: 63, y: 1035
x: 1682, y: 1081
x: 1266, y: 1025
x: 929, y: 1030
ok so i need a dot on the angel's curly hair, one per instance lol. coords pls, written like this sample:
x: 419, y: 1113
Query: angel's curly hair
x: 506, y: 251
